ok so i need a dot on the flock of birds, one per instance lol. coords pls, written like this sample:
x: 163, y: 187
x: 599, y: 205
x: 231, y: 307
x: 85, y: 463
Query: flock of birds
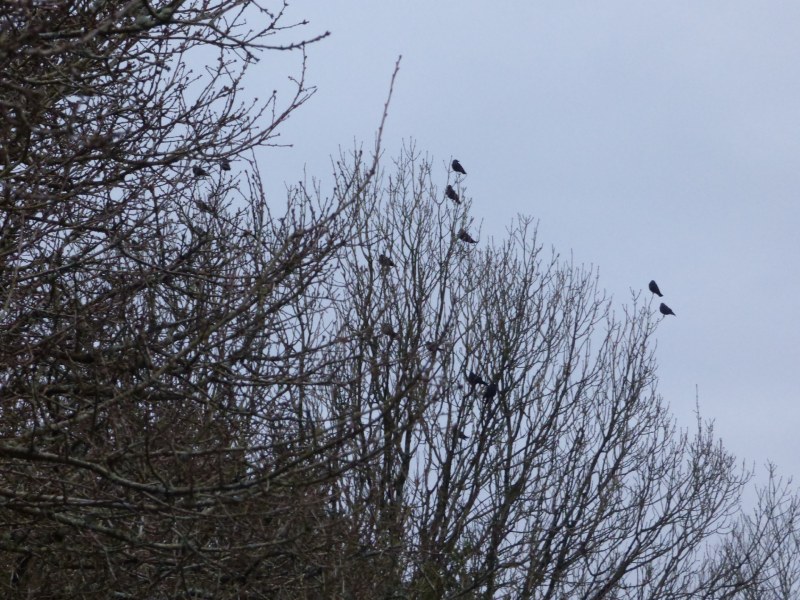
x: 199, y: 171
x: 490, y: 389
x: 449, y: 191
x: 464, y: 236
x: 387, y: 263
x: 453, y: 195
x: 473, y: 379
x: 663, y: 309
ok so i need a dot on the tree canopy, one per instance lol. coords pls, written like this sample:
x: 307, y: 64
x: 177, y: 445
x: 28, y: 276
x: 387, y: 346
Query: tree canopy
x: 208, y: 394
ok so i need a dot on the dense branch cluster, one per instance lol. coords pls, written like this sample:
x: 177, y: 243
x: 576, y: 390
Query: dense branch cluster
x: 206, y: 394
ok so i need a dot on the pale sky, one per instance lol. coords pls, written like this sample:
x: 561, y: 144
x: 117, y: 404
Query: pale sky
x: 654, y: 140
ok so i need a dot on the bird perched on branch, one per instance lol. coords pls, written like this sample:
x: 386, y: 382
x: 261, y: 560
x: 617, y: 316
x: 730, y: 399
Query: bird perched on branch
x: 452, y: 194
x: 458, y: 434
x: 490, y: 391
x: 465, y: 237
x: 225, y: 165
x: 433, y: 347
x: 654, y: 288
x: 474, y: 379
x: 666, y: 310
x: 385, y: 261
x: 199, y: 171
x: 458, y: 168
x: 204, y: 206
x: 388, y: 330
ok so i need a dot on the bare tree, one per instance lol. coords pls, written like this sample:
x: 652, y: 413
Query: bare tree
x: 159, y: 325
x: 521, y: 447
x: 206, y: 395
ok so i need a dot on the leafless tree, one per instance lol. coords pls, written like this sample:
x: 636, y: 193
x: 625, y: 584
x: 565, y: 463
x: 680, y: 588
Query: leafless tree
x: 206, y: 395
x: 160, y: 326
x: 572, y: 480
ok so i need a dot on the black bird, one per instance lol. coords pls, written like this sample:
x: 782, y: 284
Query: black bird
x: 474, y: 379
x: 458, y: 434
x: 225, y: 165
x: 654, y: 288
x: 490, y: 391
x: 451, y: 193
x: 204, y: 206
x: 199, y: 171
x: 465, y: 237
x: 388, y: 330
x: 385, y: 261
x: 458, y: 168
x: 666, y: 310
x: 433, y: 347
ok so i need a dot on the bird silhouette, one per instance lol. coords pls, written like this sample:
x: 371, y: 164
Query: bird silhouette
x: 433, y: 347
x: 458, y: 168
x: 490, y: 391
x: 465, y: 237
x: 204, y: 206
x: 385, y: 261
x: 666, y: 310
x: 458, y: 434
x: 225, y: 165
x: 199, y: 171
x: 654, y: 288
x: 388, y: 330
x: 451, y: 193
x: 474, y: 379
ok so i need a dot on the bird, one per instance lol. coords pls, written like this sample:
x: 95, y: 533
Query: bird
x: 199, y: 171
x: 385, y: 261
x: 458, y: 168
x: 433, y: 347
x: 465, y: 237
x: 458, y: 434
x: 474, y: 379
x: 666, y: 310
x: 388, y: 330
x: 451, y: 193
x: 490, y: 391
x: 225, y: 165
x: 204, y: 206
x: 654, y: 288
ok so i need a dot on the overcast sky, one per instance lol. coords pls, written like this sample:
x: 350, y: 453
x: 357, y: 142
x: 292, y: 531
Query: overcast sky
x: 651, y: 139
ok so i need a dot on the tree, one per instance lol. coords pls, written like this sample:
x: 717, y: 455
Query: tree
x: 573, y: 480
x: 147, y: 332
x: 205, y: 395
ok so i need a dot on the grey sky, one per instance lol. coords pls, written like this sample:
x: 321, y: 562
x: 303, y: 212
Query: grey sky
x: 652, y: 139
